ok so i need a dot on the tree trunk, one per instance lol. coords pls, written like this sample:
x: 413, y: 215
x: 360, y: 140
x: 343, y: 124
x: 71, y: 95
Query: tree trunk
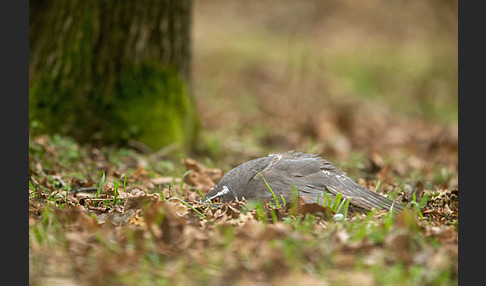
x: 108, y: 71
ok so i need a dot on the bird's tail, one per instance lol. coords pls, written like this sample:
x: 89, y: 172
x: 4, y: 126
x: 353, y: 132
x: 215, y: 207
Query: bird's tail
x: 375, y: 200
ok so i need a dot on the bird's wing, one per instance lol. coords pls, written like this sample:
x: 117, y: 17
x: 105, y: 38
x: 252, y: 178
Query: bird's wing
x: 313, y: 176
x: 338, y: 182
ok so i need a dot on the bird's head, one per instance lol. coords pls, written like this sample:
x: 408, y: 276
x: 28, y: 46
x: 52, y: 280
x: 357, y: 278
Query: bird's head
x: 219, y: 194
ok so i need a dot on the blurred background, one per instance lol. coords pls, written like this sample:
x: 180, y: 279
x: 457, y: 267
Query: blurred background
x: 330, y: 77
x: 337, y: 78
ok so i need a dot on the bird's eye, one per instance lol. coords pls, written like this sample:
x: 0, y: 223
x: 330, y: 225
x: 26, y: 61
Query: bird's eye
x: 215, y: 200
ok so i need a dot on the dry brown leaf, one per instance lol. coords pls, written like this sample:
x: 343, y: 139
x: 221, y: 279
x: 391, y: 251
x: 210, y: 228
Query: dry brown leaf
x: 314, y: 209
x: 275, y: 231
x: 138, y: 201
x: 201, y: 177
x: 163, y: 220
x: 444, y: 234
x: 33, y: 207
x: 140, y: 174
x: 249, y: 230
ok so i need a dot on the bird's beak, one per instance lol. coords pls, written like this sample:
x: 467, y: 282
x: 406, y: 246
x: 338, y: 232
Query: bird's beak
x: 205, y: 201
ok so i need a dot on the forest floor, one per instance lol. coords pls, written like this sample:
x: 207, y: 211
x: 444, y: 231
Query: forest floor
x: 141, y: 228
x: 375, y: 95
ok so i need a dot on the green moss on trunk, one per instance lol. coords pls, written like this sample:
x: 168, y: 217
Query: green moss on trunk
x: 153, y: 106
x: 147, y: 102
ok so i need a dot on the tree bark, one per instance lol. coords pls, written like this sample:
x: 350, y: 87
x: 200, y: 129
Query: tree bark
x: 99, y: 70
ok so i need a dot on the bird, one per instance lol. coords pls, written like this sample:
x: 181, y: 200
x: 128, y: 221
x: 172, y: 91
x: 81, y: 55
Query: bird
x: 313, y: 177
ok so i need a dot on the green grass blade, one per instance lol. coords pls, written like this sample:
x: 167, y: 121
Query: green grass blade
x: 337, y: 200
x: 102, y: 181
x: 345, y: 209
x: 182, y: 182
x: 116, y: 185
x: 327, y: 200
x: 202, y: 196
x: 32, y: 188
x: 377, y: 185
x: 284, y: 202
x: 344, y: 206
x: 67, y: 192
x: 277, y: 203
x: 188, y: 205
x: 162, y: 197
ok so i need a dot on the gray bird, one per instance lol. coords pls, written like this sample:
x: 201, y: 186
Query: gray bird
x: 310, y: 174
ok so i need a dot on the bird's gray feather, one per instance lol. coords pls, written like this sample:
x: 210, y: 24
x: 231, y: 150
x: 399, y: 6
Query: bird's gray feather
x: 310, y: 174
